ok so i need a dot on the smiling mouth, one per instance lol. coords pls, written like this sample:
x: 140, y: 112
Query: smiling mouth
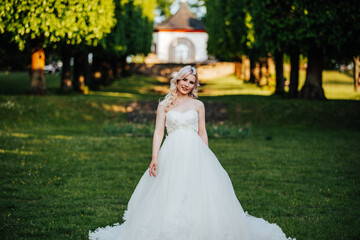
x: 185, y: 89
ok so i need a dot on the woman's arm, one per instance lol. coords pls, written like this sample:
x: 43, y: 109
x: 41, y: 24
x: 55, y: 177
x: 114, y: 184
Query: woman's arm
x: 202, y: 129
x: 158, y: 136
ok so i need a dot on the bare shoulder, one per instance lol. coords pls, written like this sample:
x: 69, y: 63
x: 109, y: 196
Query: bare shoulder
x: 199, y: 105
x: 161, y: 106
x: 162, y: 103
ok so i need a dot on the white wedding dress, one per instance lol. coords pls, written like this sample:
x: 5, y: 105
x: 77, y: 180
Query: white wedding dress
x: 191, y: 197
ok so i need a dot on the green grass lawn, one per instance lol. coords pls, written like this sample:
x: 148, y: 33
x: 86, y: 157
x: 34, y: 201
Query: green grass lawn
x: 62, y: 174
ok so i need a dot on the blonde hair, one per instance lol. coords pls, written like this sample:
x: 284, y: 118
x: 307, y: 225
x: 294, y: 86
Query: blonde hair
x: 171, y: 97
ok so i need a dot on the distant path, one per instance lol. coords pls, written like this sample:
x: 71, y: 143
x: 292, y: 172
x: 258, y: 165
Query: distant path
x: 145, y: 111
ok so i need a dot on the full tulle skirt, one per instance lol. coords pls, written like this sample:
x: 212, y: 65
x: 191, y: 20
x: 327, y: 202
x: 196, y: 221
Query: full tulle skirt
x: 191, y: 198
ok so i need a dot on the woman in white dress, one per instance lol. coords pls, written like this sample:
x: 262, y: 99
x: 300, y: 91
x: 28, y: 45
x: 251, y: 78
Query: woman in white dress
x: 185, y: 194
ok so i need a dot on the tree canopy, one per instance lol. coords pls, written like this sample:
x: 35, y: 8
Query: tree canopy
x: 164, y: 7
x: 320, y: 30
x: 53, y: 20
x: 225, y: 23
x: 132, y: 33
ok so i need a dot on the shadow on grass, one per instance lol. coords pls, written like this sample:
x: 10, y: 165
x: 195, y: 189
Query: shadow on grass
x: 68, y: 166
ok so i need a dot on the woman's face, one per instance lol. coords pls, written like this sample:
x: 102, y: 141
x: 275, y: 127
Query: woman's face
x: 186, y: 85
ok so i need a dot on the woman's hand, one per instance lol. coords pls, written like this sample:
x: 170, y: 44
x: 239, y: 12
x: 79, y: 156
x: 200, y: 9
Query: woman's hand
x: 152, y: 168
x: 158, y: 136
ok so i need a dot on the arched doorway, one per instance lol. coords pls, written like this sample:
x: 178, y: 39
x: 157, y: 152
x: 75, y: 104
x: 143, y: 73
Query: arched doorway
x: 182, y: 50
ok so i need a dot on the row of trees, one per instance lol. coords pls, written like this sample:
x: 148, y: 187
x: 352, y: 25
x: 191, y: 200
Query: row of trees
x: 110, y: 29
x: 320, y: 30
x: 113, y: 29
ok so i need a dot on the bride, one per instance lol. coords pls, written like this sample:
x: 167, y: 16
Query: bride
x: 185, y: 194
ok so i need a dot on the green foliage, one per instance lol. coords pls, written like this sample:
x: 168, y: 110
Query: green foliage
x: 11, y: 57
x: 54, y: 20
x: 277, y: 25
x: 147, y: 7
x: 132, y: 33
x: 226, y: 25
x: 164, y: 7
x: 285, y: 24
x: 238, y: 27
x: 334, y: 26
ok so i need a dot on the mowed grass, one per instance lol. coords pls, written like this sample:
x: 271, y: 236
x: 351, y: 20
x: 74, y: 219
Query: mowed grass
x: 62, y: 175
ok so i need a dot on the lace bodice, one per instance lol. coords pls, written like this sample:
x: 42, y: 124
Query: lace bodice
x: 181, y: 120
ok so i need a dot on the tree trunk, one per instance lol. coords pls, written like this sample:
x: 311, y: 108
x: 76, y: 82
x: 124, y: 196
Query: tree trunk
x: 245, y: 68
x: 125, y: 68
x: 80, y: 71
x: 312, y: 88
x: 86, y: 68
x: 107, y: 74
x: 116, y: 65
x: 271, y: 68
x: 356, y: 74
x: 96, y: 71
x: 263, y: 72
x: 65, y: 85
x: 37, y: 75
x: 237, y: 65
x: 252, y: 69
x: 279, y: 70
x: 256, y: 71
x: 294, y: 74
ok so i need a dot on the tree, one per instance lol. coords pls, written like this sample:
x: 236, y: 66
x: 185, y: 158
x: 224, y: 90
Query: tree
x: 38, y: 24
x: 276, y: 30
x: 331, y: 29
x: 293, y: 45
x: 225, y: 25
x: 131, y: 35
x: 350, y: 48
x: 11, y: 54
x: 320, y: 28
x: 231, y: 28
x: 356, y: 74
x: 164, y: 7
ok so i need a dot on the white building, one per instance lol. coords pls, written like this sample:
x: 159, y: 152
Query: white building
x: 181, y: 38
